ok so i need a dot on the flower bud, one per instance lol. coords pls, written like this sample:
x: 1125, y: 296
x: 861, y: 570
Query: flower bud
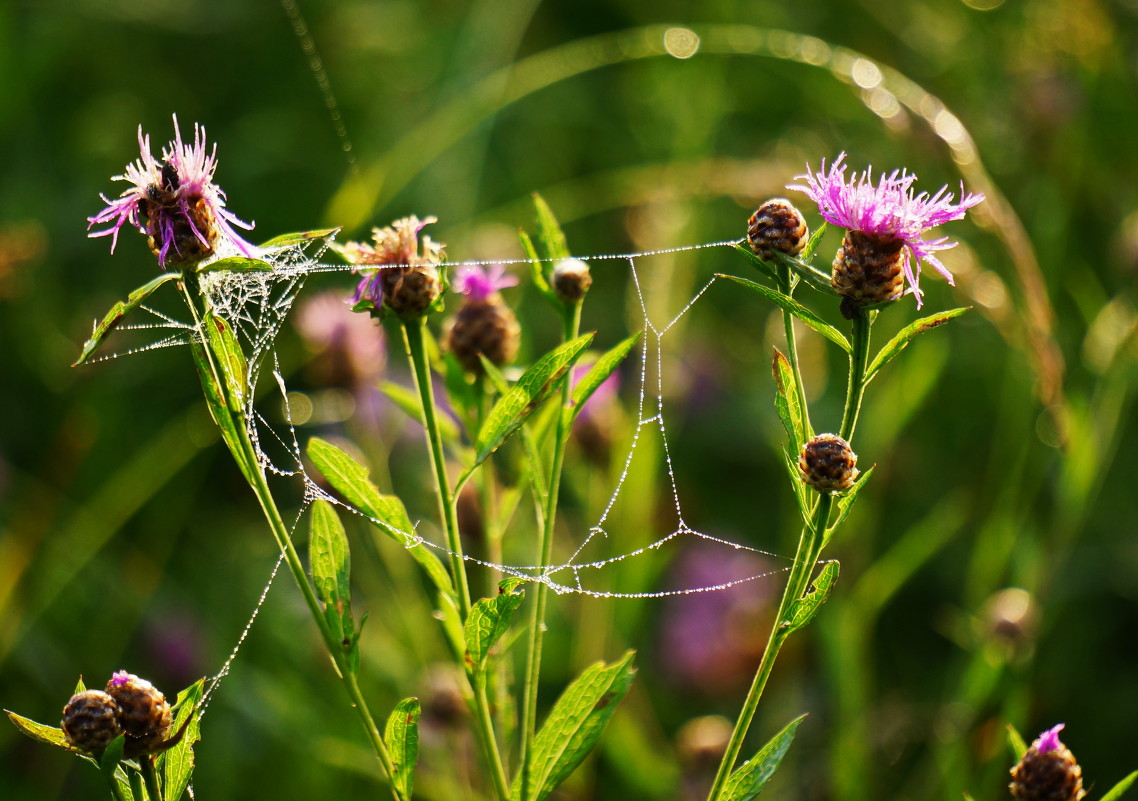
x: 868, y: 268
x: 400, y: 270
x: 571, y: 280
x: 91, y: 720
x: 484, y: 324
x: 777, y: 225
x: 1048, y: 771
x: 827, y: 463
x: 143, y: 712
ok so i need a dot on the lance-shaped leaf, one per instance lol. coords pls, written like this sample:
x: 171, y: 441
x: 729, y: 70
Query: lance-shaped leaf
x: 599, y: 372
x: 762, y: 265
x: 1016, y: 743
x: 574, y: 725
x: 352, y: 480
x: 408, y: 402
x: 787, y: 403
x: 749, y: 780
x: 806, y: 607
x: 1114, y: 793
x: 330, y: 561
x: 791, y: 305
x: 230, y: 360
x: 802, y: 494
x: 846, y: 502
x: 299, y: 238
x: 532, y: 389
x: 235, y: 264
x: 52, y: 735
x: 120, y: 310
x: 488, y: 620
x: 906, y: 335
x: 549, y: 232
x: 807, y: 254
x: 401, y: 736
x: 537, y: 270
x: 177, y: 764
x: 111, y: 757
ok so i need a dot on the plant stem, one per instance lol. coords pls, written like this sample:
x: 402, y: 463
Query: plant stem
x: 116, y: 789
x: 784, y: 280
x: 151, y: 778
x: 859, y: 359
x: 571, y: 323
x: 809, y: 547
x: 413, y: 339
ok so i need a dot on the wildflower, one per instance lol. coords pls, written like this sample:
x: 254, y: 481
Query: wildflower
x: 406, y: 275
x: 143, y: 712
x: 1048, y: 771
x: 827, y: 463
x: 91, y: 720
x: 571, y: 280
x: 776, y: 226
x: 885, y: 223
x: 484, y: 324
x: 174, y: 201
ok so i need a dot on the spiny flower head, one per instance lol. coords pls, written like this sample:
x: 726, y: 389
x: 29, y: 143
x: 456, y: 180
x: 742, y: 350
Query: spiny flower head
x: 479, y: 284
x: 406, y: 274
x: 174, y: 201
x: 887, y: 211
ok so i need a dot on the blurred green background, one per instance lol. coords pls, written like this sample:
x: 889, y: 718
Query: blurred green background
x: 990, y: 572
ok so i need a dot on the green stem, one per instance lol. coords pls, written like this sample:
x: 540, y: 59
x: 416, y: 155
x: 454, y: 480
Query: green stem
x: 792, y: 353
x: 809, y: 547
x: 150, y: 776
x: 245, y: 455
x: 859, y: 359
x: 571, y: 324
x: 414, y: 340
x: 116, y: 788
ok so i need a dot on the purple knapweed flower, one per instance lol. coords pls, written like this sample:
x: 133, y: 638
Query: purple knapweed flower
x: 1049, y: 740
x: 119, y: 678
x: 890, y: 220
x: 174, y: 201
x: 478, y: 283
x: 405, y: 267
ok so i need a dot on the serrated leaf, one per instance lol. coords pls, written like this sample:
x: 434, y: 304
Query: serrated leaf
x: 488, y: 620
x: 352, y: 480
x: 177, y: 764
x: 1016, y: 743
x: 549, y: 231
x: 236, y: 264
x: 574, y: 725
x: 845, y: 503
x: 120, y: 310
x: 532, y: 389
x: 750, y: 779
x: 906, y: 335
x: 791, y: 305
x: 51, y: 735
x: 299, y: 238
x: 787, y: 404
x: 408, y: 402
x: 1114, y: 793
x: 599, y: 372
x: 330, y: 562
x: 401, y: 736
x: 806, y: 607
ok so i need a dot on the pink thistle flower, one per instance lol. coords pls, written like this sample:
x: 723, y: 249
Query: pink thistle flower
x: 888, y: 211
x: 1049, y: 740
x: 174, y: 201
x: 119, y: 678
x: 404, y: 265
x: 479, y: 283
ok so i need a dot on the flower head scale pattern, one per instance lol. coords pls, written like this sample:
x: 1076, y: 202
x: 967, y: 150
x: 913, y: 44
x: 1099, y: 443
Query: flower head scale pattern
x: 174, y: 201
x: 887, y: 209
x: 397, y: 245
x: 478, y: 283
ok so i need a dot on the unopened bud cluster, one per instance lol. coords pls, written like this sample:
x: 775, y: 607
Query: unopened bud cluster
x: 128, y: 705
x: 1048, y: 771
x: 828, y: 464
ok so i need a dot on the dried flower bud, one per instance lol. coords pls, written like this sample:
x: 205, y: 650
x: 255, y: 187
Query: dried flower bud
x: 143, y: 712
x: 91, y: 720
x: 868, y: 268
x: 406, y: 275
x: 827, y: 463
x: 1048, y: 771
x: 571, y: 280
x: 777, y: 226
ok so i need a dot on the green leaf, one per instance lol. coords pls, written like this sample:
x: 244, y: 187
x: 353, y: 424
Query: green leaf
x: 177, y: 764
x: 1114, y: 793
x: 801, y: 493
x: 749, y: 780
x: 807, y: 254
x: 41, y: 731
x: 352, y: 480
x: 604, y: 367
x: 111, y: 757
x: 787, y: 403
x: 401, y: 737
x: 1016, y: 743
x: 488, y: 620
x: 549, y: 232
x: 228, y: 422
x: 846, y: 502
x: 537, y: 270
x: 330, y: 559
x: 229, y: 358
x: 797, y: 309
x: 906, y: 335
x: 120, y: 310
x: 762, y: 265
x: 236, y: 264
x: 408, y: 401
x: 532, y: 389
x: 806, y: 607
x: 288, y: 240
x: 574, y: 725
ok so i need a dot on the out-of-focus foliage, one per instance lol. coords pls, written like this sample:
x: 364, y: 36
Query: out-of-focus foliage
x: 989, y: 573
